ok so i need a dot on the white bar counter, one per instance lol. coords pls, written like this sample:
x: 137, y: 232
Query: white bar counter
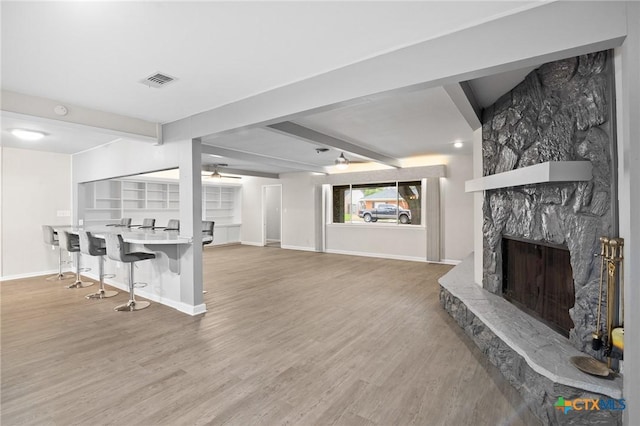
x: 161, y: 275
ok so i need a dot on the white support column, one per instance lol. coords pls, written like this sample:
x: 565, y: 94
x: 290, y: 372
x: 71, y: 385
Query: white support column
x: 433, y: 220
x: 319, y: 217
x: 627, y: 63
x: 191, y: 226
x: 477, y: 209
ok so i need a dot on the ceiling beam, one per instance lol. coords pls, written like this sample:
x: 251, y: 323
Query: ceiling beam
x: 209, y: 168
x: 292, y: 129
x: 462, y: 97
x: 74, y: 116
x: 261, y: 159
x: 570, y: 29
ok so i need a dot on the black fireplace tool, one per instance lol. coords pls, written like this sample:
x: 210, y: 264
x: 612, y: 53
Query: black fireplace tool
x: 596, y: 342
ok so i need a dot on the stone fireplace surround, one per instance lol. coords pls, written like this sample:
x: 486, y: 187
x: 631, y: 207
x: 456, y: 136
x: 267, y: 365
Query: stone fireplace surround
x: 560, y: 112
x: 531, y: 356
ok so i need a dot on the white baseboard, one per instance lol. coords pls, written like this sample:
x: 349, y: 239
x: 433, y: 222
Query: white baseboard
x: 29, y: 275
x: 377, y: 255
x: 251, y: 243
x: 449, y: 262
x: 179, y: 306
x: 301, y: 248
x: 231, y: 243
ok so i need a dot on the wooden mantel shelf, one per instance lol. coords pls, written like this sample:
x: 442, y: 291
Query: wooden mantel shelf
x: 551, y: 171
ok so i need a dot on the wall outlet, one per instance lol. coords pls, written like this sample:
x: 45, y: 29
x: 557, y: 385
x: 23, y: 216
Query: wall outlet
x: 80, y: 222
x: 64, y: 213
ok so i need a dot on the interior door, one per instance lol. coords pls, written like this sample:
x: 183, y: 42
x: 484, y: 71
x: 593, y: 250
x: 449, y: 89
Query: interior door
x: 272, y: 213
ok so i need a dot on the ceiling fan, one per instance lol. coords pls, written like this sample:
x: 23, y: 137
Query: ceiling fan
x: 342, y: 162
x: 216, y: 174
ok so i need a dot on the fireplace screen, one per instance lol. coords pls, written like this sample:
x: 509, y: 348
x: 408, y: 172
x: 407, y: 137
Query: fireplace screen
x: 538, y: 279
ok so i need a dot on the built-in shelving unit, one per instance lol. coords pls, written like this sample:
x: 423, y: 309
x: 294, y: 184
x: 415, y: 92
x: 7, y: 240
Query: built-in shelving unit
x: 219, y: 203
x: 104, y: 202
x: 133, y: 195
x: 109, y: 201
x: 173, y: 196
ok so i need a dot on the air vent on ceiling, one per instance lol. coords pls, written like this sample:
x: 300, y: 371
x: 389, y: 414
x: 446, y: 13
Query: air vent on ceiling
x: 158, y: 80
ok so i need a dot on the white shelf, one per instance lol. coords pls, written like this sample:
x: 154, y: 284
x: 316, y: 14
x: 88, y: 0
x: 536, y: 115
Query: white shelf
x: 140, y: 199
x: 551, y: 171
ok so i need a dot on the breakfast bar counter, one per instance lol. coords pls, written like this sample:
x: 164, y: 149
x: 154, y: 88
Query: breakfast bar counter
x: 161, y: 276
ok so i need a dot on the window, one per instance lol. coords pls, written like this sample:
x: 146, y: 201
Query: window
x: 389, y: 202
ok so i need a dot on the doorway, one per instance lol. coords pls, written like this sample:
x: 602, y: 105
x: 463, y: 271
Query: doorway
x: 272, y: 215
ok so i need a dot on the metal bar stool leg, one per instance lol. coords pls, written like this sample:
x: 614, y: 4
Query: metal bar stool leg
x: 101, y: 293
x: 132, y: 304
x: 79, y: 283
x: 61, y: 275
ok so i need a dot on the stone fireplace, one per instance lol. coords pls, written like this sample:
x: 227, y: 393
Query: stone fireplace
x: 540, y: 234
x: 561, y: 112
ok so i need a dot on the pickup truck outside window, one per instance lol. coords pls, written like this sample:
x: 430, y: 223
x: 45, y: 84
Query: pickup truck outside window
x: 388, y: 203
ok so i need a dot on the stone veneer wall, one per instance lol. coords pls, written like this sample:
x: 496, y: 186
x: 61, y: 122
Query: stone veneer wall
x: 560, y: 112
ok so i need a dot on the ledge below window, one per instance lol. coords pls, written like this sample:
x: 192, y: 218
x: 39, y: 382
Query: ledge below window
x: 551, y: 171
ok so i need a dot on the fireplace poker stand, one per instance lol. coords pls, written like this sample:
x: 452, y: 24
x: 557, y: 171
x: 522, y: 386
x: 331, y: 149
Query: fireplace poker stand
x: 612, y: 264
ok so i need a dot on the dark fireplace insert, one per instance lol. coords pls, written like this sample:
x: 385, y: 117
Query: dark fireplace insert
x: 537, y: 278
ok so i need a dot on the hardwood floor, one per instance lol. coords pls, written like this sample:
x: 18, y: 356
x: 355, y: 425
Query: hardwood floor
x: 289, y: 338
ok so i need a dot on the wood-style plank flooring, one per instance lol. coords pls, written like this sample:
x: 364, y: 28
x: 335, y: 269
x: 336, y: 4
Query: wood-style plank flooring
x: 289, y: 338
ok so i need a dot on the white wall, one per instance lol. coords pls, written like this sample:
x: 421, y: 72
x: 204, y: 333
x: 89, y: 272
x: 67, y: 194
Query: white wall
x: 301, y: 210
x: 398, y: 242
x: 298, y: 210
x: 251, y: 229
x: 457, y: 209
x: 36, y: 185
x: 390, y: 242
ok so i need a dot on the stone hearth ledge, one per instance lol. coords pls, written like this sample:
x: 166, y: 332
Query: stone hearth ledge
x: 544, y: 350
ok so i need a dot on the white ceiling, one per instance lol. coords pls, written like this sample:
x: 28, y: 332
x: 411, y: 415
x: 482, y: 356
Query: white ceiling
x: 404, y: 125
x: 93, y: 54
x: 61, y: 137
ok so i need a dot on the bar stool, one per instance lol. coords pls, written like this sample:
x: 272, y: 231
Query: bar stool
x: 92, y: 246
x: 124, y: 222
x: 172, y: 225
x: 146, y: 224
x: 50, y: 238
x: 207, y: 232
x: 116, y: 251
x: 71, y: 243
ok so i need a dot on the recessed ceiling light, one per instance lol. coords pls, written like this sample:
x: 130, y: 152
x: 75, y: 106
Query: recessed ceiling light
x: 28, y: 135
x: 458, y: 144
